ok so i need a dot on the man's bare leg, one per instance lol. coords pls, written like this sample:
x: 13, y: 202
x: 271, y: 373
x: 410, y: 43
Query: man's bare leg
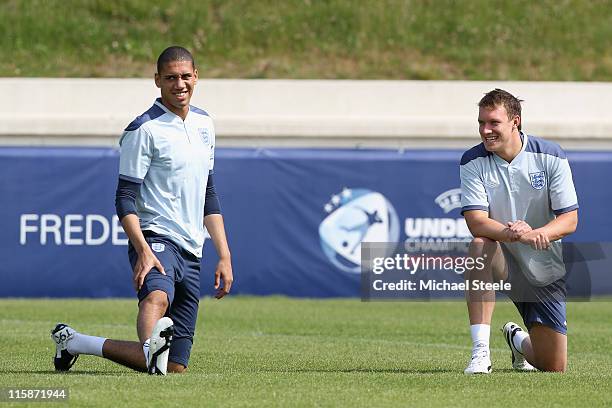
x: 129, y: 353
x: 481, y: 303
x: 150, y: 310
x: 545, y: 348
x: 126, y: 353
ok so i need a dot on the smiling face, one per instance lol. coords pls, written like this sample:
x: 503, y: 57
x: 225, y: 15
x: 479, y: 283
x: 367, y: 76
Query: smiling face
x: 176, y: 82
x: 498, y: 132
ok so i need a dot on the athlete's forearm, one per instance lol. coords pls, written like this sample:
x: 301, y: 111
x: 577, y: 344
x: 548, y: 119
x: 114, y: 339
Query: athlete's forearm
x: 131, y: 226
x: 216, y: 229
x: 480, y: 225
x: 561, y: 226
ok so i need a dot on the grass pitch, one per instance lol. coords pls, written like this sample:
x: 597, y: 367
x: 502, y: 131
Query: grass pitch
x: 545, y: 40
x: 283, y: 352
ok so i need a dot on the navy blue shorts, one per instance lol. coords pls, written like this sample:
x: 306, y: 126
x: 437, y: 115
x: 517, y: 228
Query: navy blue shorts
x: 539, y: 304
x: 182, y: 285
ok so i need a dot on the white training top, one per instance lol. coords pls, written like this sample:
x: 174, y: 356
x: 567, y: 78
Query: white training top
x: 172, y: 159
x: 534, y: 187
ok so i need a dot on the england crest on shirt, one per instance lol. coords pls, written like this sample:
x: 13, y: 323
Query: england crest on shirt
x: 538, y: 180
x: 204, y: 135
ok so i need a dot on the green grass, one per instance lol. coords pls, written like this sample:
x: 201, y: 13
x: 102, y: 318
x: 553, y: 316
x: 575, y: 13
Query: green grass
x: 283, y: 352
x: 402, y: 39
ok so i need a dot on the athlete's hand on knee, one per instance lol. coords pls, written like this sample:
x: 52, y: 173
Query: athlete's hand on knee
x: 146, y: 261
x: 223, y: 273
x: 536, y: 239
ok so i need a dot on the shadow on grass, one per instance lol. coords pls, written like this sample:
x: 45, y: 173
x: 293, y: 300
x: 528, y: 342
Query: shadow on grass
x: 71, y: 372
x: 279, y: 370
x: 513, y: 371
x: 392, y: 370
x: 362, y: 370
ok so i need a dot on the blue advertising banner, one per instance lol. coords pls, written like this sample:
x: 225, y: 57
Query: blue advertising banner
x: 295, y: 218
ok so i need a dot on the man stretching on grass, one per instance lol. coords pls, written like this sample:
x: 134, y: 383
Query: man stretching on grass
x: 165, y: 198
x: 518, y: 200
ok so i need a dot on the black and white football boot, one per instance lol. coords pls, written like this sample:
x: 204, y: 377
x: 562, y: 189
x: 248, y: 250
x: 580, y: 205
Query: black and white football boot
x: 519, y: 362
x: 61, y: 335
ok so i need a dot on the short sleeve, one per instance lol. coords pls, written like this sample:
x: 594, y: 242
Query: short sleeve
x: 135, y: 154
x: 473, y: 193
x: 563, y: 196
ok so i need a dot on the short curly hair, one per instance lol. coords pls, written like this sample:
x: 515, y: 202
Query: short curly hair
x: 499, y: 97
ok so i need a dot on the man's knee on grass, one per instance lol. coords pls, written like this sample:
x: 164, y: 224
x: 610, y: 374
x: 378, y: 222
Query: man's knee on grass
x: 176, y: 368
x: 549, y: 348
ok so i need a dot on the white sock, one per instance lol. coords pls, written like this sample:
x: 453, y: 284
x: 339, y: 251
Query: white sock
x: 145, y: 349
x: 518, y: 338
x: 480, y: 335
x: 84, y: 344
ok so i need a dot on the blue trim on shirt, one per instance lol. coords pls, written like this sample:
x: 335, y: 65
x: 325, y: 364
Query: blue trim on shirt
x: 129, y: 178
x: 474, y: 207
x: 474, y: 153
x: 153, y: 113
x: 198, y: 110
x: 537, y: 145
x: 566, y: 209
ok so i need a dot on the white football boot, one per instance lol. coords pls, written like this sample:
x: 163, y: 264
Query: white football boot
x: 518, y: 359
x: 159, y: 346
x: 61, y: 335
x: 480, y: 363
